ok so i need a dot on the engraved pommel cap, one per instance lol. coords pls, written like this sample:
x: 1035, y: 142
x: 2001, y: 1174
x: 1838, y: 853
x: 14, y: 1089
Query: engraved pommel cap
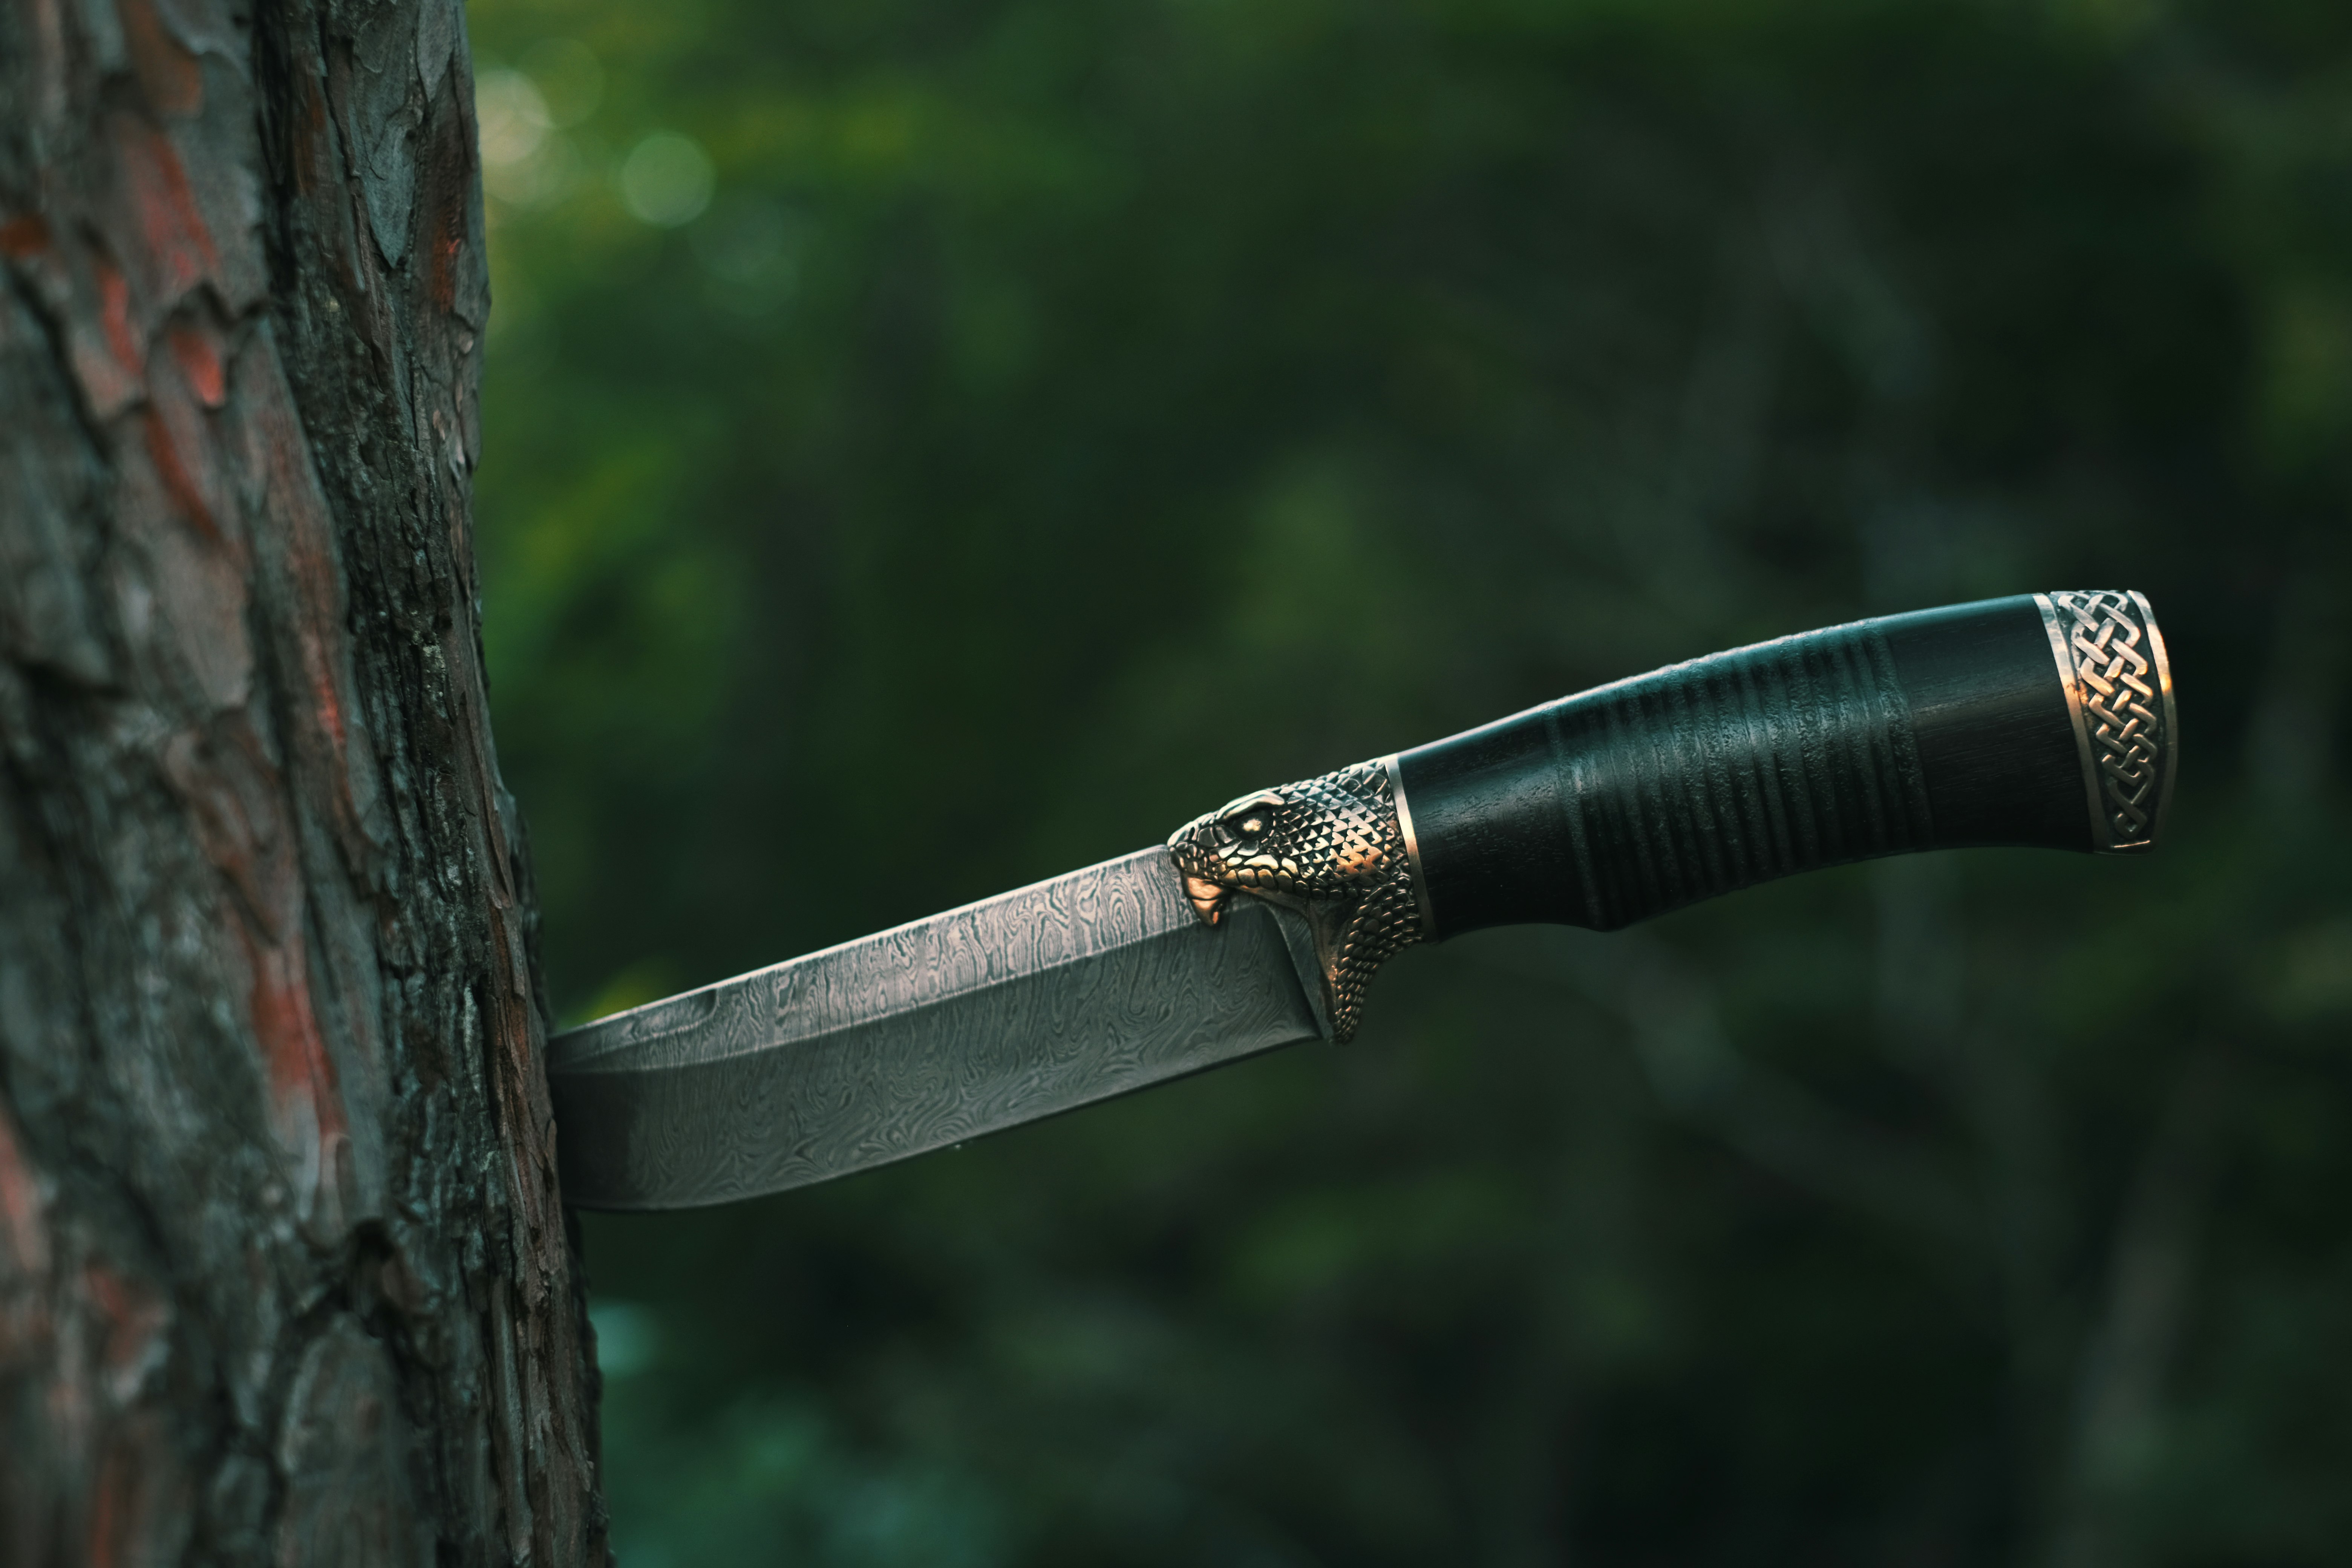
x: 2119, y: 684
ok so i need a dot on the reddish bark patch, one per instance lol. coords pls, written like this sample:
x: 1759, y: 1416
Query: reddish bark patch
x: 171, y: 232
x: 114, y: 317
x: 305, y: 526
x: 174, y: 78
x: 197, y: 347
x: 107, y: 1510
x: 445, y: 197
x: 442, y: 261
x: 288, y: 1029
x: 19, y: 1205
x: 24, y: 237
x: 304, y: 1101
x: 133, y: 1319
x: 139, y: 1508
x: 326, y: 697
x: 21, y: 1230
x: 314, y: 151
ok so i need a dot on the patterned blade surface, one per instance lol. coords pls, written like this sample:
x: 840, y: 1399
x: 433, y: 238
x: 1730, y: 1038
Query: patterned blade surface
x: 1022, y: 1005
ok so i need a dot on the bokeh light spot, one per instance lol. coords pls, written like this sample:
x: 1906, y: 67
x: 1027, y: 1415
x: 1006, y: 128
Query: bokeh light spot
x: 513, y: 116
x: 667, y: 179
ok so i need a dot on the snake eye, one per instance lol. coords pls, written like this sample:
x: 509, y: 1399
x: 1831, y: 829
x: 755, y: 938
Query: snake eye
x: 1246, y: 818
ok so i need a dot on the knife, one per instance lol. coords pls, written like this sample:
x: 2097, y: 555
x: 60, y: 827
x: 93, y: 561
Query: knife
x: 2042, y: 720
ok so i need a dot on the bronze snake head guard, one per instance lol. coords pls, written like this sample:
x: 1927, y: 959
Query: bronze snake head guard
x: 1331, y: 848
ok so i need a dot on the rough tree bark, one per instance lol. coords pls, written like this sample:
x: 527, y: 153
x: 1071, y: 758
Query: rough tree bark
x: 283, y: 1271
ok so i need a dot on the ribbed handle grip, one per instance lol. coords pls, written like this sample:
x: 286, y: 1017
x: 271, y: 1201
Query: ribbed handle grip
x: 2042, y: 720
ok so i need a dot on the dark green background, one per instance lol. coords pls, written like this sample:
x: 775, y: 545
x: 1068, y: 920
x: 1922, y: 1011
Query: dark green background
x: 1069, y: 414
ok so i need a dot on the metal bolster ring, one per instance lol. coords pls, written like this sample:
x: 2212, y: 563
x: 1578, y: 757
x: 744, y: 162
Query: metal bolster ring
x: 1412, y: 846
x: 2118, y: 682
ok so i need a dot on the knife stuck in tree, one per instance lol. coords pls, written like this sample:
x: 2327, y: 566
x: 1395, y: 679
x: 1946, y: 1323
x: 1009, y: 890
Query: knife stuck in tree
x: 2044, y: 721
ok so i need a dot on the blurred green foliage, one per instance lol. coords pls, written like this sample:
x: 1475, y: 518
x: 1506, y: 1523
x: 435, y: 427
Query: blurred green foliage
x: 930, y: 446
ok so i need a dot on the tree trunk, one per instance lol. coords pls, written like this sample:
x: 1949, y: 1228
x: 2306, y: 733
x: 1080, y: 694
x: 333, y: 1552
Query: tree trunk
x: 283, y: 1269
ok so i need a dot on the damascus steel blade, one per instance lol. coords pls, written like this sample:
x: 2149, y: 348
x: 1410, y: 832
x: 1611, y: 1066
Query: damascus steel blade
x: 1022, y: 1005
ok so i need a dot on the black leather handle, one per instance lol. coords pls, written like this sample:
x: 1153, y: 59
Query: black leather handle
x: 2003, y: 723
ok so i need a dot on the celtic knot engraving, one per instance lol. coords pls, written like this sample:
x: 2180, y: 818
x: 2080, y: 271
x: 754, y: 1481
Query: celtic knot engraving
x: 1331, y: 848
x: 2119, y: 687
